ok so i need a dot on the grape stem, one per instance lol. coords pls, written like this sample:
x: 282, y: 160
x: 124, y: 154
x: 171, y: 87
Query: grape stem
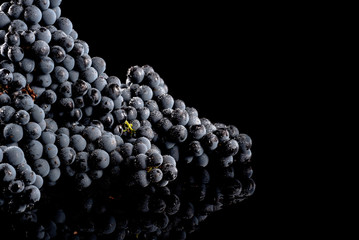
x: 128, y: 128
x: 27, y: 90
x: 3, y: 89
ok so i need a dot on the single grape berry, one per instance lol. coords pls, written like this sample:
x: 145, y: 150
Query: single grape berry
x: 99, y: 159
x: 40, y: 48
x: 7, y: 172
x: 6, y: 76
x: 13, y: 132
x: 32, y: 14
x: 14, y: 156
x: 177, y: 133
x: 135, y: 74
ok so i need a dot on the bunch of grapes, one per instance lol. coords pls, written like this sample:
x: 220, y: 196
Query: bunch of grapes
x: 178, y: 127
x: 19, y: 183
x: 27, y: 144
x: 68, y: 119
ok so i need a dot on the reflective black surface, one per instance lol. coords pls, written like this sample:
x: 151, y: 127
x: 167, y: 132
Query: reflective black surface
x: 110, y: 210
x: 255, y: 65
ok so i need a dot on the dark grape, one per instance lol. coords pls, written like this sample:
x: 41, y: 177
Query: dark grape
x: 58, y: 54
x: 33, y: 150
x: 54, y: 175
x: 49, y: 16
x: 210, y: 141
x: 44, y: 34
x: 135, y: 74
x: 40, y: 48
x: 7, y: 172
x: 16, y: 186
x: 24, y: 101
x: 155, y: 175
x: 15, y: 11
x: 99, y: 64
x: 177, y: 133
x: 4, y: 19
x: 12, y: 38
x: 64, y: 24
x: 41, y: 167
x: 81, y: 162
x: 14, y: 156
x: 27, y: 65
x: 99, y: 159
x: 37, y: 114
x: 92, y: 133
x: 82, y: 180
x: 48, y: 137
x: 32, y: 130
x: 197, y: 131
x: 179, y: 116
x: 107, y: 142
x: 155, y: 159
x: 42, y: 4
x: 32, y: 194
x: 140, y: 178
x: 78, y: 142
x: 13, y: 132
x: 50, y: 150
x: 67, y: 155
x: 27, y: 37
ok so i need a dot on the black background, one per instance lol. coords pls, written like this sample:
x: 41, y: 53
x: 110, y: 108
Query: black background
x: 237, y: 64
